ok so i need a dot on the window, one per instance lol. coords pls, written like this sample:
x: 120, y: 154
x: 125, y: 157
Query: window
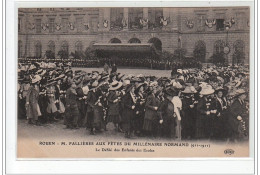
x: 78, y: 46
x: 220, y: 25
x: 65, y: 47
x: 134, y: 40
x: 115, y: 40
x: 135, y: 14
x: 51, y: 25
x: 38, y: 24
x: 116, y: 17
x: 201, y: 22
x: 19, y: 24
x: 39, y: 9
x: 19, y: 49
x: 79, y: 24
x: 154, y: 16
x: 38, y: 50
x: 51, y: 9
x: 219, y: 46
x: 64, y: 22
x: 51, y: 46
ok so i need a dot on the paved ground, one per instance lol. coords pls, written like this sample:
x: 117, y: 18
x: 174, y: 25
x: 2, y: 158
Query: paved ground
x: 146, y: 72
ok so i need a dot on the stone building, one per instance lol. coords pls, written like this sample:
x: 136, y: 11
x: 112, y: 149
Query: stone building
x: 207, y: 31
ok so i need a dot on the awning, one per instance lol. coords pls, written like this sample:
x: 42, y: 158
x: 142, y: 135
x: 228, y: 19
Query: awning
x: 120, y: 47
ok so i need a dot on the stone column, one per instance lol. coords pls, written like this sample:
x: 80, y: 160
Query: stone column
x: 145, y: 17
x: 125, y: 18
x: 106, y: 16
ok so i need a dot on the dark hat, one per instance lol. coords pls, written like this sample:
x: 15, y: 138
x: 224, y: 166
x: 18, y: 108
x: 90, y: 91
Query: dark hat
x: 139, y: 86
x: 171, y: 91
x: 78, y: 71
x: 129, y: 87
x: 224, y: 90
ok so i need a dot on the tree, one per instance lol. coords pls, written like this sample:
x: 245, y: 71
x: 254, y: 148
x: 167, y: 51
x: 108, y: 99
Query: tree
x: 50, y: 54
x: 63, y: 54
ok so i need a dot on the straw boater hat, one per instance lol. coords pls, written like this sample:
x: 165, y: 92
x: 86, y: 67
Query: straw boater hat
x: 126, y: 82
x: 94, y: 84
x: 221, y: 89
x: 207, y: 90
x: 239, y: 92
x: 36, y: 79
x: 189, y: 90
x: 115, y: 85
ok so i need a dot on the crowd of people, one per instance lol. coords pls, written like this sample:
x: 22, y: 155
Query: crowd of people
x: 199, y: 103
x: 122, y: 62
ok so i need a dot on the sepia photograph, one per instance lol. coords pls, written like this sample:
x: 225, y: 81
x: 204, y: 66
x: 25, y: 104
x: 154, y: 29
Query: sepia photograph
x: 133, y: 82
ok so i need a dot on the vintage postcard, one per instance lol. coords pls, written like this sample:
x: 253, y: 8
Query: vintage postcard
x: 134, y: 82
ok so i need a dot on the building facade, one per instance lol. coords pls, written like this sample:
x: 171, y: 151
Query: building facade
x: 206, y: 30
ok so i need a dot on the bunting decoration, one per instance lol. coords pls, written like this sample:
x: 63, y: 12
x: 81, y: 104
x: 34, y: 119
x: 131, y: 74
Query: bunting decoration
x: 58, y: 27
x: 45, y: 26
x: 190, y: 24
x: 144, y: 22
x: 71, y: 26
x: 105, y: 23
x: 31, y: 26
x: 86, y: 26
x: 164, y: 21
x: 210, y: 23
x: 124, y: 23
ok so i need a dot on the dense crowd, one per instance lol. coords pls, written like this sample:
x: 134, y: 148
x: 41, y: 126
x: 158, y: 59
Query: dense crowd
x: 122, y: 62
x: 202, y: 103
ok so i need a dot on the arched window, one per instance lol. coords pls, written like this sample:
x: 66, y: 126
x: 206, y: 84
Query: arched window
x: 20, y: 49
x: 239, y: 46
x: 219, y: 46
x: 200, y: 51
x: 78, y: 46
x: 51, y: 46
x: 239, y: 54
x: 115, y: 40
x: 134, y: 40
x: 65, y: 46
x: 38, y: 49
x: 157, y: 43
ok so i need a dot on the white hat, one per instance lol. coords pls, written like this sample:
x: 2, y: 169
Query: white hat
x: 126, y: 82
x: 207, y: 90
x: 36, y: 79
x: 115, y: 85
x: 179, y: 71
x: 95, y: 84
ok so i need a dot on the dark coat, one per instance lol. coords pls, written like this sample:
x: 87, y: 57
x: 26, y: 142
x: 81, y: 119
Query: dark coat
x: 150, y: 112
x: 238, y: 108
x: 91, y: 99
x: 128, y: 113
x: 113, y: 107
